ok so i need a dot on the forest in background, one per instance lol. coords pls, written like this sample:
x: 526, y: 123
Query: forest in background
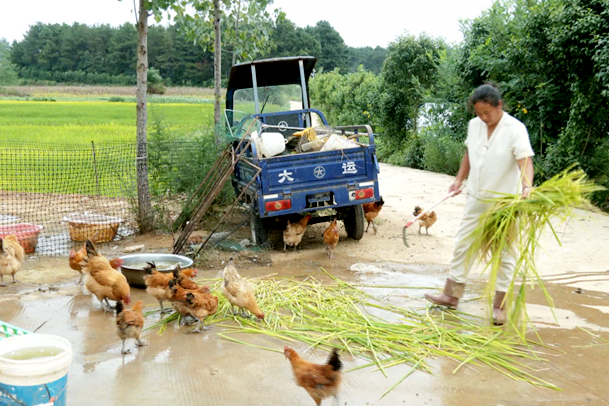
x: 81, y: 54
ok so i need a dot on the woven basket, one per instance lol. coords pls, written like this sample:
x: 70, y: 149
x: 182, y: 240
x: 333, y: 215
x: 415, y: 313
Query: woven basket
x: 94, y: 227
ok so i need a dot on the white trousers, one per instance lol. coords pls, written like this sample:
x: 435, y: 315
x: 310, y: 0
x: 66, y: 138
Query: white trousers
x: 462, y: 262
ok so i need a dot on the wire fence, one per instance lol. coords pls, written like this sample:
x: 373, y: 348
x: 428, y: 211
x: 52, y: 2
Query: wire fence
x: 53, y: 196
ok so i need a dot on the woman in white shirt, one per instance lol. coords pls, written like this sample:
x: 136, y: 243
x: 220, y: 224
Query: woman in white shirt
x: 498, y: 151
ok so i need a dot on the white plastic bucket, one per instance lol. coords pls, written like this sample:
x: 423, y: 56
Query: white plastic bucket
x: 37, y: 381
x: 272, y: 144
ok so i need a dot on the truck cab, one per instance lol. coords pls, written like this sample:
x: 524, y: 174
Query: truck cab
x: 272, y: 96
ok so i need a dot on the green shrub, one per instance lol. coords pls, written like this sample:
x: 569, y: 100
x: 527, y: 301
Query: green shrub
x: 155, y: 82
x: 415, y: 148
x: 442, y: 154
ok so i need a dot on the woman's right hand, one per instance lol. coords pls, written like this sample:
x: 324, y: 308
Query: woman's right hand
x: 455, y: 187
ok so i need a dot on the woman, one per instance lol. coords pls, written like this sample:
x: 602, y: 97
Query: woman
x: 498, y: 152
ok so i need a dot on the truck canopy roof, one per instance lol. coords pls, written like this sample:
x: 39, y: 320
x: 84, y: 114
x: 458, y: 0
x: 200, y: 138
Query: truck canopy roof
x: 270, y: 72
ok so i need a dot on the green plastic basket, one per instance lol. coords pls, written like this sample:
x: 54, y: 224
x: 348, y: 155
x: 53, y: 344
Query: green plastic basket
x: 8, y: 330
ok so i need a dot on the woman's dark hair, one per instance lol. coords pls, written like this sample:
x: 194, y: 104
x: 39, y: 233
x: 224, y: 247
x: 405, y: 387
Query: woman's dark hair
x: 487, y: 93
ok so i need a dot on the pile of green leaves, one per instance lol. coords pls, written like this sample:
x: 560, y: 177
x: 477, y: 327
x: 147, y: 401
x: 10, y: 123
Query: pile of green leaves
x: 344, y: 316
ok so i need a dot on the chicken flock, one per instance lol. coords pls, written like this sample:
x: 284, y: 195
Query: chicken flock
x: 102, y: 277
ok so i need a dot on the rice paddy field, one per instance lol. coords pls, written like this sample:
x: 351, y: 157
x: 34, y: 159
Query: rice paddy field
x: 46, y: 135
x: 99, y: 121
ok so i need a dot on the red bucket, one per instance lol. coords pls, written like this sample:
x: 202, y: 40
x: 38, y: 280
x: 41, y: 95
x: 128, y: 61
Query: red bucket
x: 27, y: 235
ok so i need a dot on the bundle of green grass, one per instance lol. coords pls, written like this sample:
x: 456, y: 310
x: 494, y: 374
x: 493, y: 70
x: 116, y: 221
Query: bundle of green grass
x: 516, y: 224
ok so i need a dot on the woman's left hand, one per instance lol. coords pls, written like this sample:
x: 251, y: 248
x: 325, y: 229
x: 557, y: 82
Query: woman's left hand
x: 526, y: 191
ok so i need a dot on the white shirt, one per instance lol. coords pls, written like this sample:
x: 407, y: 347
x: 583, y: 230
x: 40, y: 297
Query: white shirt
x: 493, y: 161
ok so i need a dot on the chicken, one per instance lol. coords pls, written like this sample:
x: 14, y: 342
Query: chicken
x: 331, y: 237
x: 11, y: 257
x: 427, y: 220
x: 157, y: 282
x: 102, y: 280
x: 130, y: 323
x: 238, y: 291
x: 293, y: 233
x: 371, y: 211
x: 197, y: 304
x: 319, y: 380
x: 76, y: 258
x: 182, y: 277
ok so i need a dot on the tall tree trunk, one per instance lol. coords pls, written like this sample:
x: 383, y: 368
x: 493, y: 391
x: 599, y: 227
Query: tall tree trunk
x: 236, y: 31
x: 145, y: 218
x: 217, y: 67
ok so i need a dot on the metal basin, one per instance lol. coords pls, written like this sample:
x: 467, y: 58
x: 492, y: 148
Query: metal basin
x: 133, y: 267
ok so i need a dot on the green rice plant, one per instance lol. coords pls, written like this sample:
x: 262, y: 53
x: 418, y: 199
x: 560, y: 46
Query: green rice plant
x: 83, y: 122
x: 89, y: 147
x: 336, y: 314
x: 516, y: 224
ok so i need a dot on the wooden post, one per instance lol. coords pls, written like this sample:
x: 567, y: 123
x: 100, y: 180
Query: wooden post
x: 95, y: 168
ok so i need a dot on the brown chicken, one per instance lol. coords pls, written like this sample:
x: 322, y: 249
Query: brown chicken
x: 183, y: 276
x: 130, y: 323
x: 371, y: 211
x: 102, y: 280
x: 293, y: 233
x: 427, y: 220
x: 238, y: 291
x: 331, y: 237
x: 76, y: 258
x: 157, y: 282
x: 11, y: 257
x: 319, y: 380
x: 197, y: 304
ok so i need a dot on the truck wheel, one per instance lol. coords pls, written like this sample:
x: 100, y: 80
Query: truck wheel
x: 354, y: 222
x: 259, y: 235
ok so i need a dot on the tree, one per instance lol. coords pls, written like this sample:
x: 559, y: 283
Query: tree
x: 145, y: 216
x: 333, y: 49
x: 408, y: 76
x: 371, y: 59
x: 551, y: 59
x: 124, y: 47
x: 246, y: 29
x: 8, y: 71
x: 289, y: 40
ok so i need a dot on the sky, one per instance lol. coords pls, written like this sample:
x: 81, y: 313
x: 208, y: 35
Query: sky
x: 360, y: 22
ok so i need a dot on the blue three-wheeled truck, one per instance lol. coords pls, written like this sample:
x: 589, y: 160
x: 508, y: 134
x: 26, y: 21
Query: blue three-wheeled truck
x: 272, y: 96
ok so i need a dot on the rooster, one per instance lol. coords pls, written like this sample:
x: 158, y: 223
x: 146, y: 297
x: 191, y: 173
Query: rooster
x: 319, y: 380
x: 427, y: 220
x: 293, y: 233
x: 11, y: 257
x: 331, y: 237
x: 371, y: 211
